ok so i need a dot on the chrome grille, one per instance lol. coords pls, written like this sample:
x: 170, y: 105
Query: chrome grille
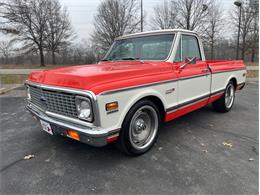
x: 54, y: 101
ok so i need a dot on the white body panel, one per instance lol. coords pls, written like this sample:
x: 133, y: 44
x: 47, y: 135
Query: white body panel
x: 193, y: 88
x: 185, y: 90
x: 127, y: 98
x: 220, y: 80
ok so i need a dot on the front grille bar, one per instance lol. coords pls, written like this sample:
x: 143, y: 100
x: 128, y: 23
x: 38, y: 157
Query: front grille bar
x: 73, y: 93
x: 53, y: 101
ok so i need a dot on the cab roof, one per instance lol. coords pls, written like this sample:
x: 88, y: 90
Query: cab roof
x: 156, y: 32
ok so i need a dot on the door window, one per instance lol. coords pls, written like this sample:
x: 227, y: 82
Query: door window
x: 178, y: 57
x: 188, y: 48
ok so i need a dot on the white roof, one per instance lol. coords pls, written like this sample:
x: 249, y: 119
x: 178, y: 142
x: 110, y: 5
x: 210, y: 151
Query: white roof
x: 155, y: 33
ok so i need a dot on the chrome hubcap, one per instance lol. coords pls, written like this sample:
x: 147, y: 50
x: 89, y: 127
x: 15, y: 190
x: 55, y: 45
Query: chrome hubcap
x: 140, y: 125
x: 143, y: 127
x: 229, y: 96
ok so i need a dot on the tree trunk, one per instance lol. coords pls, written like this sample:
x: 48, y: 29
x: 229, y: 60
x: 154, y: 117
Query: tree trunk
x: 6, y: 59
x: 243, y: 53
x: 253, y: 54
x: 212, y: 52
x: 53, y: 58
x: 243, y: 49
x: 212, y: 49
x: 42, y: 57
x: 188, y: 22
x: 254, y: 46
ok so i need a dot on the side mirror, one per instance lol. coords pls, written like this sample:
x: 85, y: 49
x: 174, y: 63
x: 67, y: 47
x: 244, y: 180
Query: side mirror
x: 188, y: 61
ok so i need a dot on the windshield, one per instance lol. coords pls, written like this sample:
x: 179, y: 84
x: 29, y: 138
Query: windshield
x: 155, y: 47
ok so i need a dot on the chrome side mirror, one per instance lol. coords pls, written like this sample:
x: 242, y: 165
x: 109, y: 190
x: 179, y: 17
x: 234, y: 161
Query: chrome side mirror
x: 188, y: 61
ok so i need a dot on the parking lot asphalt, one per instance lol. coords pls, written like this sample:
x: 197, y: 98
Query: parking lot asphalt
x: 203, y: 152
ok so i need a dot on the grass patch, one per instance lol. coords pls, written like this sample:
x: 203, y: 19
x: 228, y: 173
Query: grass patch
x: 252, y: 63
x: 252, y: 74
x: 13, y: 79
x: 31, y: 66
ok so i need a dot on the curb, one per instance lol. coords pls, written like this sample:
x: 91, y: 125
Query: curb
x: 252, y: 79
x: 6, y: 90
x: 252, y: 68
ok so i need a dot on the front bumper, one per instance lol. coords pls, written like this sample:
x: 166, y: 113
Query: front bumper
x: 93, y: 136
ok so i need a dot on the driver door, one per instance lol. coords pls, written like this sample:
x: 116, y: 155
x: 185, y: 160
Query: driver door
x: 194, y: 78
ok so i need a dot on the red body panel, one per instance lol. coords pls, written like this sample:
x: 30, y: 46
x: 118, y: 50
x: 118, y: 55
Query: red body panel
x: 225, y: 65
x: 106, y: 75
x: 192, y: 70
x: 182, y: 111
x: 115, y: 75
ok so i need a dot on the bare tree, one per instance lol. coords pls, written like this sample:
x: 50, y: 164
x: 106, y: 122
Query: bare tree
x: 5, y: 28
x: 191, y: 13
x: 59, y: 31
x: 254, y: 37
x: 213, y: 27
x: 29, y: 19
x: 246, y: 26
x: 114, y: 18
x: 164, y: 16
x: 77, y: 53
x: 6, y: 49
x: 247, y: 19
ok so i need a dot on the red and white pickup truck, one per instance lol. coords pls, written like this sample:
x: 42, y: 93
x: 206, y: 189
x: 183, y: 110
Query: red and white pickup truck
x: 145, y: 79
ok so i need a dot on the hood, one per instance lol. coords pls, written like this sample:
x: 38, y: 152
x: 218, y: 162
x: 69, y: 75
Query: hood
x: 103, y: 76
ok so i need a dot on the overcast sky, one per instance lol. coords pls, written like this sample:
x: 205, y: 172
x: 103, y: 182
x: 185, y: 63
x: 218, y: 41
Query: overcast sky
x: 82, y: 13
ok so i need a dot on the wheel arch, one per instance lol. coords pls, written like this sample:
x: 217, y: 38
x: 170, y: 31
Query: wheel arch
x: 154, y: 97
x: 158, y: 102
x: 234, y: 80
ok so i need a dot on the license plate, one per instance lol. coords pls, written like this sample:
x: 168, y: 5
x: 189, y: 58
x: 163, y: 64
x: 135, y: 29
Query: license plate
x: 46, y: 127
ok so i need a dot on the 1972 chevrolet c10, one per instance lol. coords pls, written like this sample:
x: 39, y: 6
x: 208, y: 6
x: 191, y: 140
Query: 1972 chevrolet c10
x: 145, y: 79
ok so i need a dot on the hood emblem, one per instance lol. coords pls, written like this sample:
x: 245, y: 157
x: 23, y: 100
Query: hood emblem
x: 43, y: 98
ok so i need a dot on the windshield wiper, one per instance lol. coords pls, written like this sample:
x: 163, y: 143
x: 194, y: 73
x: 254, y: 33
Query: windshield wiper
x: 130, y: 58
x: 105, y: 59
x: 127, y: 58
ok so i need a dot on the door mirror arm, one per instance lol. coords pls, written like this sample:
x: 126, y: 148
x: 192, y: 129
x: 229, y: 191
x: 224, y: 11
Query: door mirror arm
x: 188, y: 61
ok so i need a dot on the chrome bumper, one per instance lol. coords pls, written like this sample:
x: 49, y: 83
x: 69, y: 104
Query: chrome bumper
x: 94, y: 136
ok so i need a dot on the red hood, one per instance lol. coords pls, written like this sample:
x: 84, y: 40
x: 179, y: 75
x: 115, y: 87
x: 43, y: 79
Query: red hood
x: 104, y: 76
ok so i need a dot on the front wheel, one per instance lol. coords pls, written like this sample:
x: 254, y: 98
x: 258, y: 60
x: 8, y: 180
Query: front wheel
x: 225, y: 103
x: 140, y: 128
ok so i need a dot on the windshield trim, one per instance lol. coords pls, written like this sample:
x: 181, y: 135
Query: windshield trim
x: 145, y: 35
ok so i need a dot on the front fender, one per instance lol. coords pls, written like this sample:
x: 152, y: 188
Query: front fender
x: 136, y: 98
x: 126, y: 99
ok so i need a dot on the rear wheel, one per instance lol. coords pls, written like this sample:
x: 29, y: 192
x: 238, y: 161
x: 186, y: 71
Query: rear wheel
x: 140, y: 128
x: 225, y: 103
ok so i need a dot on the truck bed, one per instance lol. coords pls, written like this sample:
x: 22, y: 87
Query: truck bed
x: 225, y: 65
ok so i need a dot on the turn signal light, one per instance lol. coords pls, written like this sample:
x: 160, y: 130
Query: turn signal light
x: 111, y: 106
x: 112, y: 138
x: 73, y: 134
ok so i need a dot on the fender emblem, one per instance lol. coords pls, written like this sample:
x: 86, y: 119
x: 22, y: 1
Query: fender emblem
x: 168, y: 91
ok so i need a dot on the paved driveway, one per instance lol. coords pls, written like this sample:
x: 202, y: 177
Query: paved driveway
x: 189, y: 156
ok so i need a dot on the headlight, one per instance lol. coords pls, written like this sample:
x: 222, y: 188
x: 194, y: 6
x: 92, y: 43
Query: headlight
x: 84, y: 109
x: 28, y: 93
